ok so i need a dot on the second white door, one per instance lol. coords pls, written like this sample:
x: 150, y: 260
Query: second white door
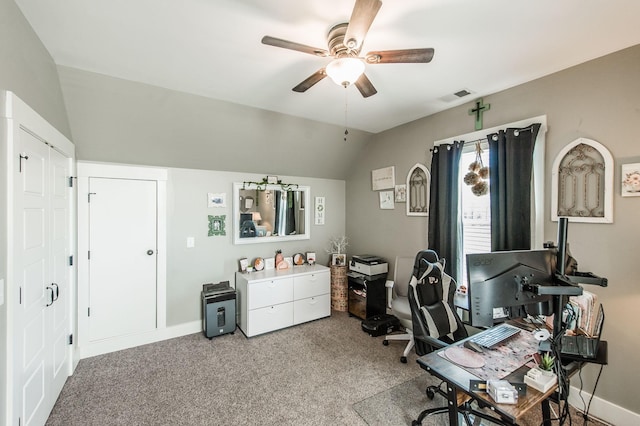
x: 122, y: 257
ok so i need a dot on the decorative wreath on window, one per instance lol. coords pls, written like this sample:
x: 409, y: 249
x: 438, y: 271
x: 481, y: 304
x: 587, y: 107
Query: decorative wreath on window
x: 478, y: 175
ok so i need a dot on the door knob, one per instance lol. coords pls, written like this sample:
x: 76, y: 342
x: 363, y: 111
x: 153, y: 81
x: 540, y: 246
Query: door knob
x: 149, y: 252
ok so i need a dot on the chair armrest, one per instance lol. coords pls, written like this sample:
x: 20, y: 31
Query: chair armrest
x: 434, y: 343
x: 389, y: 285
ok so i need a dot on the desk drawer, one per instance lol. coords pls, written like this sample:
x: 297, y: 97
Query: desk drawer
x: 311, y: 285
x: 270, y: 318
x: 311, y: 308
x: 269, y: 292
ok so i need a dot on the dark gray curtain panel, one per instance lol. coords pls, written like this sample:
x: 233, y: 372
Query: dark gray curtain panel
x: 510, y: 167
x: 445, y: 227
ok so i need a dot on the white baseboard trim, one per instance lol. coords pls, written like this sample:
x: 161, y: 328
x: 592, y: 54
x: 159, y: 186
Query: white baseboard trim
x: 602, y: 409
x: 125, y: 342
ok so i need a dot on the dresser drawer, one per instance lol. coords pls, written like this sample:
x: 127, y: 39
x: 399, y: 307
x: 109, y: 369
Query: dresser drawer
x: 311, y: 308
x: 311, y: 285
x: 270, y: 292
x: 270, y: 318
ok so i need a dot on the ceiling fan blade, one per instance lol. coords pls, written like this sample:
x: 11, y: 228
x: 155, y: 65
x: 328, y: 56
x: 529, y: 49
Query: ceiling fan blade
x: 286, y: 44
x: 405, y: 56
x: 310, y: 81
x: 364, y: 12
x: 365, y: 87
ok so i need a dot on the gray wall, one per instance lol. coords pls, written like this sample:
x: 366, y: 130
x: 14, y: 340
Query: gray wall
x: 26, y: 68
x: 215, y: 258
x: 207, y: 145
x: 121, y: 121
x: 599, y: 100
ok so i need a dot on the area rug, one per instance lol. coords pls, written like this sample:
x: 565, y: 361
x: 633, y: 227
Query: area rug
x: 401, y: 404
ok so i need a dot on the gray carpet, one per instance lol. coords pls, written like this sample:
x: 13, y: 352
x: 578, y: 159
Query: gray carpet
x: 308, y: 374
x: 327, y: 372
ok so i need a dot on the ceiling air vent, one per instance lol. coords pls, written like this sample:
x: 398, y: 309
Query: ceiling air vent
x: 457, y: 95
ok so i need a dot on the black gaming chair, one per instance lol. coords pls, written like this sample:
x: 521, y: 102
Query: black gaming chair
x: 435, y: 321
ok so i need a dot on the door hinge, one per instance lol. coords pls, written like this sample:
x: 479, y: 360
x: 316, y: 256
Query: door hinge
x: 71, y: 260
x: 71, y: 178
x: 88, y: 312
x: 20, y: 295
x: 71, y: 339
x: 89, y: 196
x: 89, y: 254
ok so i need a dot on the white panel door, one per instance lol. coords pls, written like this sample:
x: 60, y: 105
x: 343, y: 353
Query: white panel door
x: 60, y: 220
x: 32, y: 362
x: 122, y: 257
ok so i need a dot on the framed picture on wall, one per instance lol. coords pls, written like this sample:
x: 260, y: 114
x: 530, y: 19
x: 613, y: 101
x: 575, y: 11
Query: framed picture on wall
x: 401, y: 193
x: 386, y: 200
x: 631, y: 180
x: 216, y: 200
x: 384, y: 178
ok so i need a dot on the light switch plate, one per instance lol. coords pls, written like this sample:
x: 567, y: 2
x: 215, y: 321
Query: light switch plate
x: 191, y: 242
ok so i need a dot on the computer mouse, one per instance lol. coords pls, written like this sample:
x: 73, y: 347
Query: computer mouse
x: 473, y: 346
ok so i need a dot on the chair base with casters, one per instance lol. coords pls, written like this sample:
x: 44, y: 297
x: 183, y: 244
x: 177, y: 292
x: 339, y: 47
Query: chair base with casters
x: 406, y: 336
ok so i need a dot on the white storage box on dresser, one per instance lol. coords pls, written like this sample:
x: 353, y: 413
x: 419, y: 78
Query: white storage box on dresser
x: 275, y: 299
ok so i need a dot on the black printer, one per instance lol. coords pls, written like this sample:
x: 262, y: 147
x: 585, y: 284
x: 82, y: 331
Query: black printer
x: 367, y: 294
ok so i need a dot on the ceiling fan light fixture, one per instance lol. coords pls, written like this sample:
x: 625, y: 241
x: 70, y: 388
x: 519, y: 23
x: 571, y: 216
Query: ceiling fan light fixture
x: 345, y: 71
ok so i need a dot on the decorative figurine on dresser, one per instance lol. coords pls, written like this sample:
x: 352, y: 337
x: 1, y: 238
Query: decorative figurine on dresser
x: 367, y: 293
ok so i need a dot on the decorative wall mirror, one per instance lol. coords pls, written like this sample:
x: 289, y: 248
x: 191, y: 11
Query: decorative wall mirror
x: 582, y: 183
x: 265, y: 213
x: 418, y: 181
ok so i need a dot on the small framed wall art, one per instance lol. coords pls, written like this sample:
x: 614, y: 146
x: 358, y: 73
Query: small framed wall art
x: 384, y: 178
x: 216, y: 200
x: 386, y: 200
x: 216, y: 225
x: 401, y: 193
x: 631, y: 180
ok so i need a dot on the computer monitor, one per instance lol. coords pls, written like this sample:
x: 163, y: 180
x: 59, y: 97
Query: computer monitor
x: 497, y: 283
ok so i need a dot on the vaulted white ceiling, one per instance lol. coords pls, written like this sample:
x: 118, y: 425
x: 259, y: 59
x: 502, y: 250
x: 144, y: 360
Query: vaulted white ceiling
x: 212, y: 48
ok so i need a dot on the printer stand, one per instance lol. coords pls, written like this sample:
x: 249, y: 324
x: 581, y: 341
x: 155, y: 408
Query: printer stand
x: 367, y: 295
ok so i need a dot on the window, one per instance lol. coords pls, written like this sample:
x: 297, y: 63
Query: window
x: 475, y: 210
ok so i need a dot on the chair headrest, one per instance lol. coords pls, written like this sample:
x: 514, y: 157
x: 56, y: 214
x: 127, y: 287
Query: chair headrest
x: 423, y: 259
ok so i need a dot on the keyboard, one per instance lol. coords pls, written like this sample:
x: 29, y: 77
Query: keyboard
x: 495, y: 335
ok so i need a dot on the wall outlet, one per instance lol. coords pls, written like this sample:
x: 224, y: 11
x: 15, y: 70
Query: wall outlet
x: 191, y: 242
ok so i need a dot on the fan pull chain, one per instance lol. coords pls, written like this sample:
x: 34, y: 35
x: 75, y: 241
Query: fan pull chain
x: 346, y: 105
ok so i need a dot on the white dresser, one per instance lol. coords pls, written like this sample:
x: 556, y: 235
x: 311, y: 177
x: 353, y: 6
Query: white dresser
x: 271, y: 300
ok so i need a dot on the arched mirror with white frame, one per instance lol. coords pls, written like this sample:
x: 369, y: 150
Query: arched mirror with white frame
x: 418, y: 181
x: 582, y: 183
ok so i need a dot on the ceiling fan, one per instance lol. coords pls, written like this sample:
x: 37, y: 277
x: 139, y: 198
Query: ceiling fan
x: 345, y: 41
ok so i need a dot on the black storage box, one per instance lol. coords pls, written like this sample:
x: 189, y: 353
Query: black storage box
x: 380, y: 325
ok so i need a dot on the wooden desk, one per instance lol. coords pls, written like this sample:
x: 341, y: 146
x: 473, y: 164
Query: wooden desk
x: 458, y: 386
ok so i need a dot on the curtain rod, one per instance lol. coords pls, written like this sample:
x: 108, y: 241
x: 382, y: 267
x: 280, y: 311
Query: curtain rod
x: 495, y: 135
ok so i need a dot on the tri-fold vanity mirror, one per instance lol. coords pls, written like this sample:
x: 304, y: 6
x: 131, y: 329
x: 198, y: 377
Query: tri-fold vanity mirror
x: 270, y: 212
